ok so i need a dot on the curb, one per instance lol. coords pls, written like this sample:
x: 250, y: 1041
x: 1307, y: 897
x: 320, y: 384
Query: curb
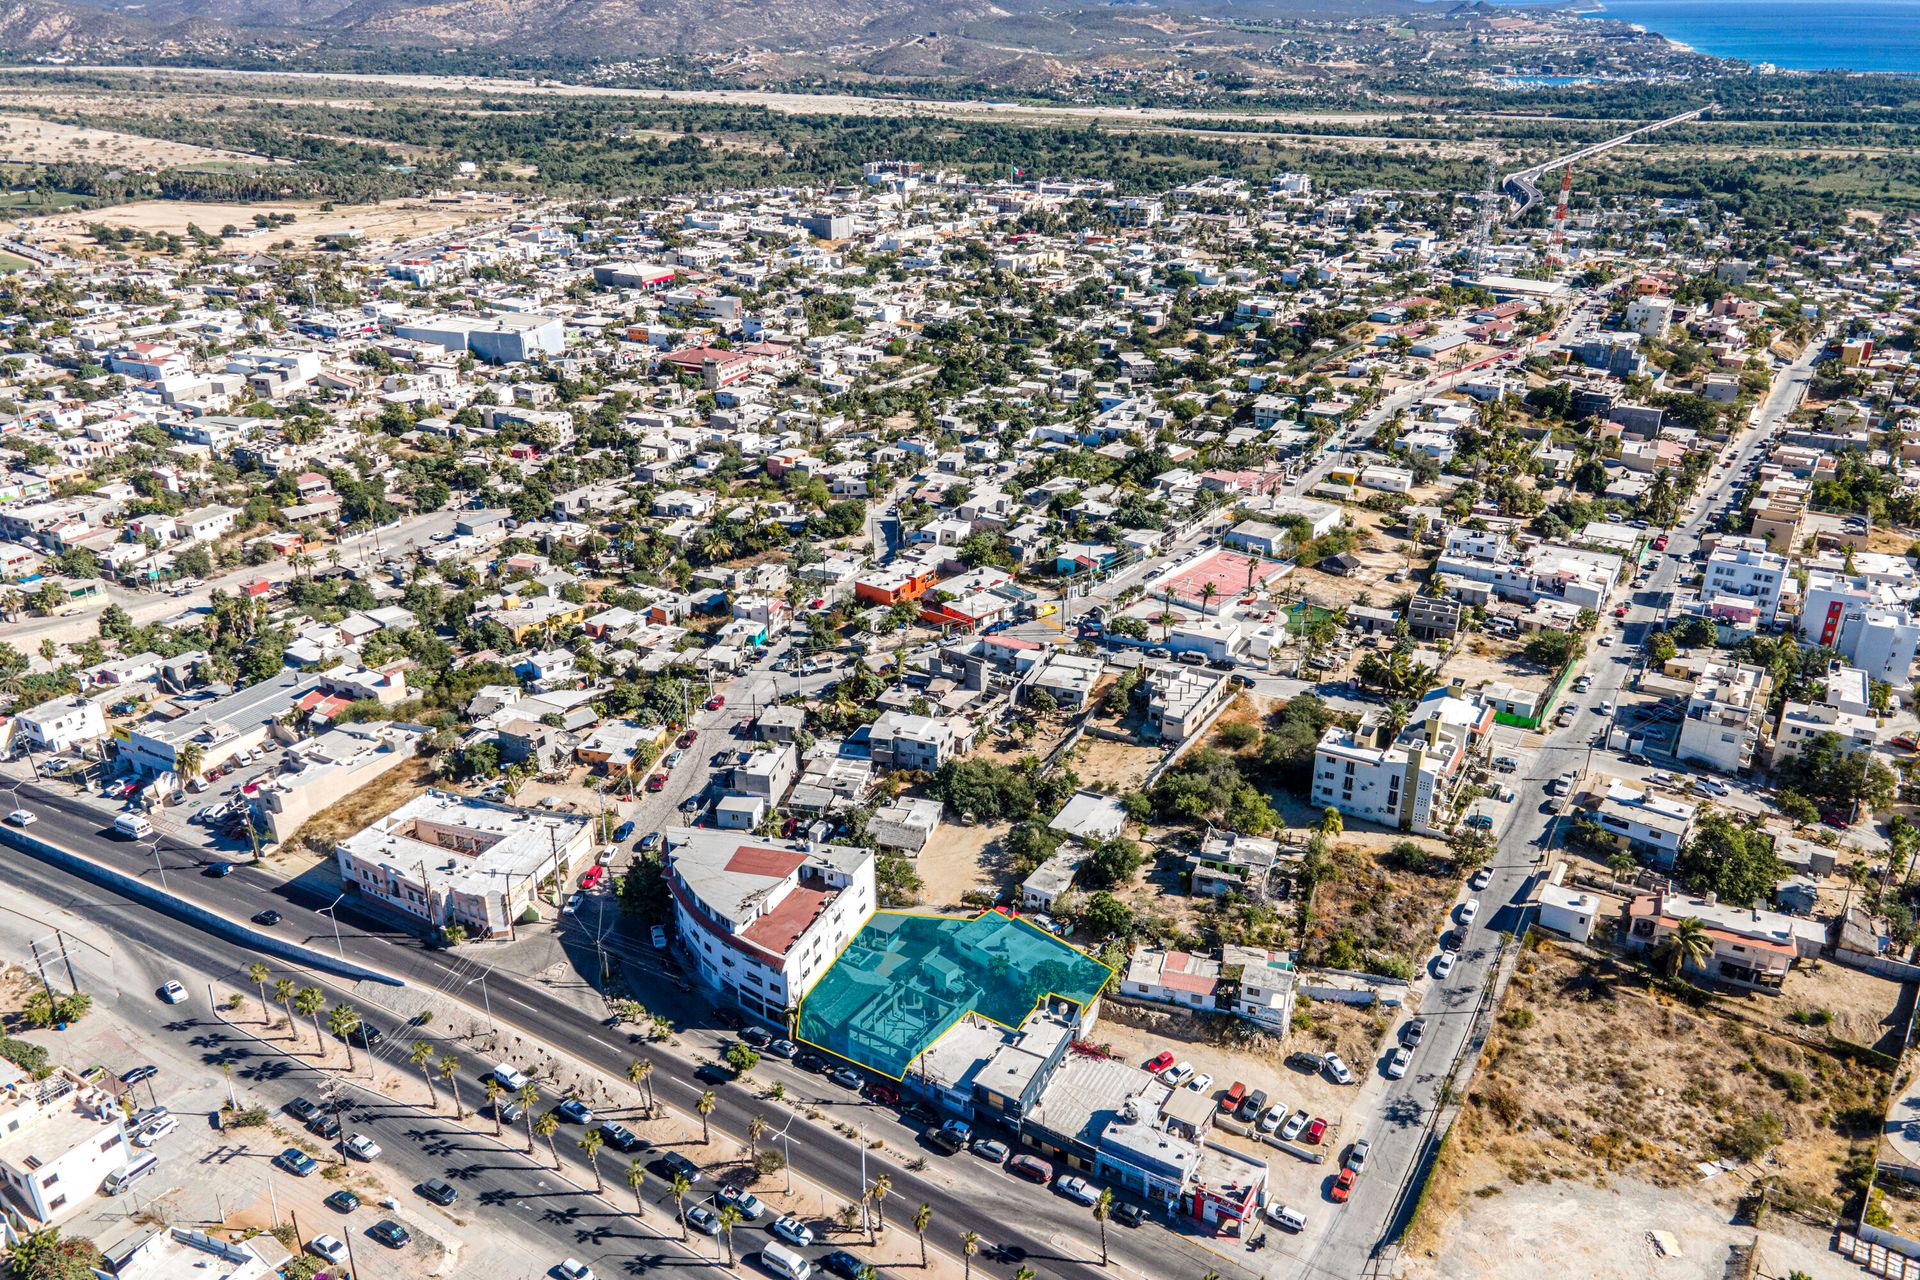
x: 174, y: 905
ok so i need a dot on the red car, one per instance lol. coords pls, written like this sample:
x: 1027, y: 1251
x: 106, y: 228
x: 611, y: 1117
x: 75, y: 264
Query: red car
x: 592, y: 879
x: 885, y: 1094
x: 1032, y: 1168
x: 656, y: 782
x: 685, y: 740
x: 1620, y: 612
x: 1343, y: 1185
x: 1160, y: 1062
x: 1905, y: 743
x: 1316, y: 1130
x: 716, y: 702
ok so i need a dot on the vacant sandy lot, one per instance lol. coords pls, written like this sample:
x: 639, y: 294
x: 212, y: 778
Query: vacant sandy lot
x: 1569, y: 1229
x: 43, y: 141
x: 956, y: 860
x: 395, y: 220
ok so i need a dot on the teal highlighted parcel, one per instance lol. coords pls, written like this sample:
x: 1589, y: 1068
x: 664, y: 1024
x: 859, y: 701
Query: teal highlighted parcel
x: 905, y: 979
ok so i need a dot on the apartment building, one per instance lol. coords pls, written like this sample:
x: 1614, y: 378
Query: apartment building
x: 1479, y: 565
x: 1725, y: 712
x: 1868, y: 622
x: 761, y: 921
x: 62, y: 724
x: 59, y: 1139
x: 1650, y: 825
x: 1180, y: 700
x: 453, y: 860
x: 1752, y: 947
x: 1844, y: 710
x: 1406, y: 781
x: 1743, y: 568
x: 901, y: 740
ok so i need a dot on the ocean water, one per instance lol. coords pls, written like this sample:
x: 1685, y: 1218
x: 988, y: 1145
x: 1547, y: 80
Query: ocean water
x: 1800, y: 35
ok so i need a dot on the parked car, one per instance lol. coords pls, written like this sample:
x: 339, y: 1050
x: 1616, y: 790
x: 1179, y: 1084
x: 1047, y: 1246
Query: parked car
x: 301, y: 1109
x: 1129, y: 1215
x: 845, y: 1077
x: 155, y: 1130
x: 1443, y: 967
x: 1468, y: 910
x: 1398, y: 1063
x: 361, y: 1147
x: 296, y: 1162
x: 331, y: 1248
x: 1295, y: 1125
x: 1159, y: 1062
x: 783, y: 1048
x: 1076, y: 1188
x: 391, y: 1234
x: 1337, y: 1069
x: 1316, y: 1130
x: 1343, y: 1185
x: 342, y: 1201
x: 990, y: 1149
x: 1177, y: 1074
x: 622, y: 832
x: 1032, y: 1168
x: 1414, y: 1032
x: 1357, y: 1154
x: 1273, y: 1118
x: 1230, y: 1100
x: 1200, y: 1083
x: 440, y: 1192
x: 1281, y: 1216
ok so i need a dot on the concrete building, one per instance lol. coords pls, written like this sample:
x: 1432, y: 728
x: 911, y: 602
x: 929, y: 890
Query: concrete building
x: 1752, y: 948
x: 901, y: 740
x: 760, y: 921
x: 319, y: 771
x: 907, y: 823
x: 1568, y: 912
x: 453, y: 860
x: 767, y: 774
x: 1843, y: 710
x: 1743, y: 567
x: 171, y: 1253
x: 1180, y: 700
x: 62, y: 724
x: 1725, y: 712
x: 1866, y: 621
x: 1650, y: 825
x: 59, y: 1139
x: 1406, y: 781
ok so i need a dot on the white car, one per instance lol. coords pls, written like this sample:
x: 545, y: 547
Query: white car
x: 1468, y: 910
x: 1605, y: 708
x: 1337, y: 1069
x: 173, y: 993
x: 605, y: 856
x: 1482, y: 878
x: 1200, y: 1083
x: 155, y: 1131
x: 510, y: 1076
x: 1276, y: 1115
x: 1295, y: 1126
x: 1177, y: 1074
x: 1397, y: 1065
x: 23, y: 817
x: 1077, y: 1189
x: 332, y: 1248
x: 1443, y: 967
x: 361, y: 1147
x: 574, y: 1269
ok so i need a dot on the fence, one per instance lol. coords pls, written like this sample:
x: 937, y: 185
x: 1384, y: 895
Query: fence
x: 1881, y: 1252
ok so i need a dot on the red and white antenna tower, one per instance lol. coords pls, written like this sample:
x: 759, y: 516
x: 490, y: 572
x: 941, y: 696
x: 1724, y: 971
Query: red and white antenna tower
x: 1560, y: 218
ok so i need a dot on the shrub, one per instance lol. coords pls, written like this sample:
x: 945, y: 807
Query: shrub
x: 1238, y: 735
x: 1749, y: 1137
x: 1517, y: 1019
x: 24, y: 1054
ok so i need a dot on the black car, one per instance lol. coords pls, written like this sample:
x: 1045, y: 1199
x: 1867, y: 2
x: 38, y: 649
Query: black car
x: 1129, y: 1215
x: 325, y: 1128
x: 138, y: 1074
x: 391, y: 1234
x: 302, y: 1110
x: 843, y: 1264
x: 342, y: 1201
x: 441, y: 1193
x: 267, y: 917
x: 621, y: 1138
x: 220, y: 870
x: 757, y: 1037
x: 810, y: 1062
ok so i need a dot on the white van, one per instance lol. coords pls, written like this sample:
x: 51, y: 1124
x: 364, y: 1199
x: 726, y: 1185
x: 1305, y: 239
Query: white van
x: 1291, y: 1219
x: 122, y: 1178
x: 133, y: 826
x: 784, y: 1262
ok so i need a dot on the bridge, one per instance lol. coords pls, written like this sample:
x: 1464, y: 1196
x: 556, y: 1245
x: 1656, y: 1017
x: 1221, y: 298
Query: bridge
x: 1520, y: 186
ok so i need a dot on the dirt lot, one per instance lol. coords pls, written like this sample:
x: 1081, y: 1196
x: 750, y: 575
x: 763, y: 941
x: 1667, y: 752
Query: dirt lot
x: 45, y: 142
x: 393, y: 221
x: 1101, y: 762
x: 317, y: 838
x: 1377, y: 913
x: 961, y: 858
x: 1575, y: 1229
x: 1592, y: 1075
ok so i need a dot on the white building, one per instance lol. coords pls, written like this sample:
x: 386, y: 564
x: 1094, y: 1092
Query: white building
x: 1650, y: 317
x: 59, y: 1139
x: 64, y: 724
x: 1844, y: 710
x: 761, y: 920
x: 1744, y: 567
x: 453, y: 860
x: 1722, y: 725
x: 1866, y: 621
x: 901, y: 740
x: 176, y: 1252
x: 1568, y: 912
x: 1406, y: 781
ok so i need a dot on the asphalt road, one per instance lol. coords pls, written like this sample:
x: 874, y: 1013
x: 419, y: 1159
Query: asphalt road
x: 1055, y: 1237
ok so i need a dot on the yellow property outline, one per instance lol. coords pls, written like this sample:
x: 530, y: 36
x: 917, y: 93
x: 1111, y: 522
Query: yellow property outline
x: 1056, y: 939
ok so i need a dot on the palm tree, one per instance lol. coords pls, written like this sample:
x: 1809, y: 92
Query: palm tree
x: 1688, y: 944
x: 545, y: 1126
x: 755, y: 1127
x: 1028, y: 1273
x: 969, y: 1245
x: 258, y: 974
x: 637, y: 1183
x: 418, y: 1056
x: 186, y: 759
x: 680, y: 1186
x: 310, y: 1002
x: 705, y: 1108
x: 283, y: 992
x: 343, y: 1022
x: 493, y: 1089
x: 640, y: 1072
x: 591, y: 1142
x: 528, y: 1098
x: 1101, y: 1208
x: 921, y: 1217
x: 728, y: 1217
x: 882, y: 1187
x: 448, y: 1065
x: 1331, y: 823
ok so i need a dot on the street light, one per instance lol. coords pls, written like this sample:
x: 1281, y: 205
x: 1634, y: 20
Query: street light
x: 154, y: 849
x: 485, y: 1002
x: 329, y: 913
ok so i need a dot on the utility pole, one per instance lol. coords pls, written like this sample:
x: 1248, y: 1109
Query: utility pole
x: 67, y: 960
